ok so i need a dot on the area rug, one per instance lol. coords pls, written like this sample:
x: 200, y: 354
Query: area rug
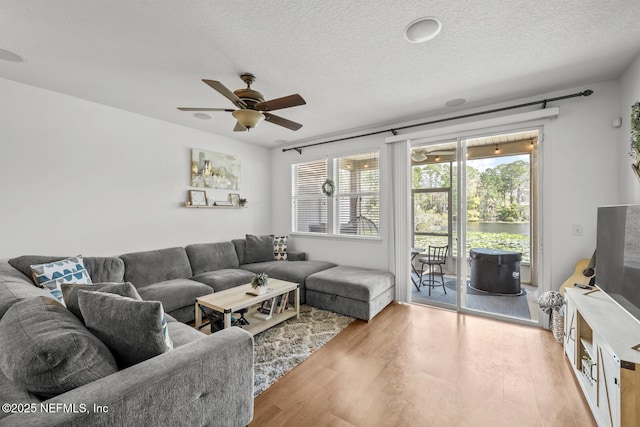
x: 285, y: 346
x: 513, y: 306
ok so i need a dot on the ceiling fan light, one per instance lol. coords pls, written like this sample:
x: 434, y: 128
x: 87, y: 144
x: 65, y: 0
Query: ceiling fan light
x: 248, y: 118
x: 418, y: 156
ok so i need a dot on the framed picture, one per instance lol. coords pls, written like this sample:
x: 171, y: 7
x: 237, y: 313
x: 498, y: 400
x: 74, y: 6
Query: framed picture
x: 198, y: 198
x: 214, y: 170
x: 234, y: 199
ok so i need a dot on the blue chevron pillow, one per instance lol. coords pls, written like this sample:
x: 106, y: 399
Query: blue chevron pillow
x: 51, y: 275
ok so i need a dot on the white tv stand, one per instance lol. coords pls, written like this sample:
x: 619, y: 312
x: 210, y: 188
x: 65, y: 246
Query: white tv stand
x: 599, y: 341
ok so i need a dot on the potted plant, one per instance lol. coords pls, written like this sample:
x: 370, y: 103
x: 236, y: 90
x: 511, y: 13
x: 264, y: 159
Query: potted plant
x: 242, y: 202
x: 259, y: 283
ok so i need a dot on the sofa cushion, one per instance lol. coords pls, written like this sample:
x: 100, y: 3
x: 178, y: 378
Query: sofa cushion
x: 258, y: 248
x: 134, y: 330
x: 52, y: 275
x: 212, y: 256
x: 296, y: 255
x: 220, y: 280
x: 359, y: 284
x: 145, y: 268
x: 15, y: 290
x: 101, y: 269
x: 105, y: 269
x: 46, y: 349
x: 280, y: 247
x: 23, y: 263
x: 182, y: 334
x: 185, y: 314
x: 291, y: 271
x: 241, y: 246
x: 70, y: 293
x: 14, y: 393
x: 8, y: 271
x: 175, y: 294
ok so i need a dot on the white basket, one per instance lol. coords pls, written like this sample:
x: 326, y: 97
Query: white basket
x: 557, y: 325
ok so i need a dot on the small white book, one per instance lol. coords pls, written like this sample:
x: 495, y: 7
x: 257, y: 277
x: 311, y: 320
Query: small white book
x: 263, y: 316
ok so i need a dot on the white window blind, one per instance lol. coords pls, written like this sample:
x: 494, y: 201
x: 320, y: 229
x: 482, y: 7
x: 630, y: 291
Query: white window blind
x: 309, y: 204
x: 354, y: 209
x: 357, y: 198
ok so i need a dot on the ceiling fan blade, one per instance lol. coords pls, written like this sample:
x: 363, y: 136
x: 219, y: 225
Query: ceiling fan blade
x: 277, y: 120
x: 440, y: 153
x: 280, y: 103
x: 222, y: 89
x: 205, y: 109
x: 239, y: 128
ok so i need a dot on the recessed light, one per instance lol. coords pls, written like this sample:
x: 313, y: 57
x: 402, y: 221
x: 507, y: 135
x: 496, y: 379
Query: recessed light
x: 422, y: 29
x: 6, y: 55
x: 202, y: 116
x: 456, y: 102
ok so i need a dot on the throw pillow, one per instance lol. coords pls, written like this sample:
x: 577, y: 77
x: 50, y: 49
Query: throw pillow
x: 70, y: 293
x: 133, y: 330
x: 51, y: 275
x: 280, y: 248
x: 258, y: 249
x: 13, y: 291
x: 48, y: 351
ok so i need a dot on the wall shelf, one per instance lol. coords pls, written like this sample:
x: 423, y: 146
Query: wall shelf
x: 214, y: 207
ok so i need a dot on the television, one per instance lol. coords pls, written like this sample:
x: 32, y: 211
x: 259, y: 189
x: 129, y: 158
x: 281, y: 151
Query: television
x: 618, y: 255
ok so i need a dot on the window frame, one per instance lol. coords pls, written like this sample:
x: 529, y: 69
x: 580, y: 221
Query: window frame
x: 330, y: 232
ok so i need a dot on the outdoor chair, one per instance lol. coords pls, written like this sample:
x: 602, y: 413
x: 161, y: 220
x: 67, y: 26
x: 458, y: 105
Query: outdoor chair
x: 436, y: 256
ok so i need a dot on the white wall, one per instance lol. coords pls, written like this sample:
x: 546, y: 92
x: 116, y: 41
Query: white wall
x: 82, y: 178
x: 630, y: 94
x: 580, y: 173
x: 579, y: 168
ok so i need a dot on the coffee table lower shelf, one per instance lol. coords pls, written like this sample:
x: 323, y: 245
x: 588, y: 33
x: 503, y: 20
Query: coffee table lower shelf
x: 232, y: 300
x: 256, y: 325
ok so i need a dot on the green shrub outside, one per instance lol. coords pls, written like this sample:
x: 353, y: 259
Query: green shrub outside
x: 502, y: 241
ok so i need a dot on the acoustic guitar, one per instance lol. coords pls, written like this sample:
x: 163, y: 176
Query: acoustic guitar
x: 583, y: 274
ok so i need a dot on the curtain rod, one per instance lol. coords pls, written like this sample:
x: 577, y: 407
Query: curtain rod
x: 395, y: 130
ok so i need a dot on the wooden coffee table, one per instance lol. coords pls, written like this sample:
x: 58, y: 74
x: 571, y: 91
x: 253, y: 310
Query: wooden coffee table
x: 234, y: 299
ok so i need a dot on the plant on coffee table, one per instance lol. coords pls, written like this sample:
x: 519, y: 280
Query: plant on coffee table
x: 259, y: 282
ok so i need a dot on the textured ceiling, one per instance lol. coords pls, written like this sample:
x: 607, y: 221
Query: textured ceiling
x: 349, y: 60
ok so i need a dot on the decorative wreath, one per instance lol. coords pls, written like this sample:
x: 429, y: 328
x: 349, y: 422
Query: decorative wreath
x: 635, y: 130
x: 328, y: 188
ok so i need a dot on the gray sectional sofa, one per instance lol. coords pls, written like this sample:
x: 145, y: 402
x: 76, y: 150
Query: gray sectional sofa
x: 177, y: 276
x: 204, y: 379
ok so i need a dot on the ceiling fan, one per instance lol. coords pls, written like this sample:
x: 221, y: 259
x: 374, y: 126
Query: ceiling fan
x: 422, y: 155
x: 252, y: 108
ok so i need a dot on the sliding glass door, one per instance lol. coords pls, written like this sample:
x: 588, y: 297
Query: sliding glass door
x: 477, y: 197
x: 433, y: 191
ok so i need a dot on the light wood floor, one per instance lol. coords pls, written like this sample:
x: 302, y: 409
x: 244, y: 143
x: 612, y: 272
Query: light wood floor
x: 420, y: 366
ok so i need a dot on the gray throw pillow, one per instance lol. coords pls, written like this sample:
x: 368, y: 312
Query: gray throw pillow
x: 258, y: 249
x: 70, y: 293
x: 46, y: 349
x: 14, y: 290
x: 133, y: 330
